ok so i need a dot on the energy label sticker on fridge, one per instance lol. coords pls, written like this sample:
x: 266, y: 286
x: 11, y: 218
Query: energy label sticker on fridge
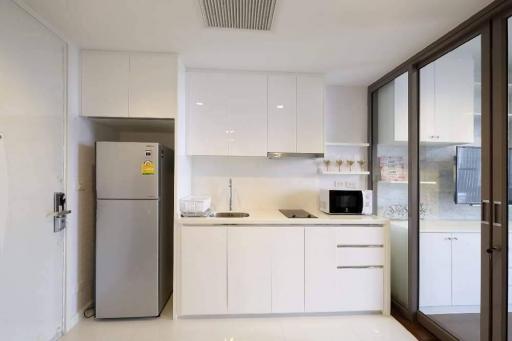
x: 147, y: 168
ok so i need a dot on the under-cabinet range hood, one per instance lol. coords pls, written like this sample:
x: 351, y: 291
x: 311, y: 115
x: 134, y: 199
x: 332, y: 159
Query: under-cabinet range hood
x: 279, y: 155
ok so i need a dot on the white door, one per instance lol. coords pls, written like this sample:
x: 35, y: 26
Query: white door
x: 249, y: 270
x: 320, y: 270
x: 247, y: 112
x: 466, y: 269
x: 310, y: 114
x: 32, y: 146
x: 204, y: 270
x: 208, y: 124
x: 105, y: 83
x: 454, y: 97
x: 287, y: 269
x: 282, y: 113
x: 435, y: 269
x: 153, y: 85
x: 427, y: 104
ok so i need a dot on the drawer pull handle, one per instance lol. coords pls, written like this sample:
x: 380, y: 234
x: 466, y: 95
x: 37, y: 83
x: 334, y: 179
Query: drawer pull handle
x: 361, y: 267
x: 357, y: 245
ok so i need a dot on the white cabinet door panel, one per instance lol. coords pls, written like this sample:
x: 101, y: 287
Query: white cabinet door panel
x: 320, y: 270
x: 153, y: 85
x: 249, y: 264
x: 360, y: 289
x: 359, y: 235
x: 454, y: 97
x: 401, y: 108
x: 105, y: 81
x: 247, y: 114
x: 203, y: 270
x: 466, y: 269
x: 427, y: 104
x: 310, y: 114
x: 282, y: 113
x: 208, y: 123
x: 287, y: 269
x: 435, y: 269
x: 350, y: 256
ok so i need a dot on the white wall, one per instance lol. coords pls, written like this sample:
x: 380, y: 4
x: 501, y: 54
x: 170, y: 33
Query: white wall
x: 260, y: 183
x: 80, y: 234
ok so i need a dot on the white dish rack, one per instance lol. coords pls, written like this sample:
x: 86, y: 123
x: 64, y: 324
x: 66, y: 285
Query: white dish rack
x: 195, y: 206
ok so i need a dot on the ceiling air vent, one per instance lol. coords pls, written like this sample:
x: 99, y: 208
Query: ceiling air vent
x: 239, y: 14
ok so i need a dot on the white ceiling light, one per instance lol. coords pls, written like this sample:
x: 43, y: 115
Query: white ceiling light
x: 239, y: 14
x: 280, y: 106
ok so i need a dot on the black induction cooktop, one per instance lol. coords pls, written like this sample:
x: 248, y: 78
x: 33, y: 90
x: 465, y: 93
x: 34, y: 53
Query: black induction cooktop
x: 297, y: 214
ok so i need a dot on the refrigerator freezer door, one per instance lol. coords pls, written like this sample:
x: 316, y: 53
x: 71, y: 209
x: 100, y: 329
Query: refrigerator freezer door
x: 127, y: 258
x: 127, y: 170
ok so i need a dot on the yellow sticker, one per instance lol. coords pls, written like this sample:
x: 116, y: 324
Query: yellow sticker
x: 147, y: 168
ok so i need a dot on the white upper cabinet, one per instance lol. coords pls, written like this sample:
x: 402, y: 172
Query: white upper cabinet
x: 454, y: 98
x: 393, y: 111
x: 310, y: 109
x: 153, y: 85
x: 252, y: 113
x: 208, y: 124
x: 105, y: 83
x: 447, y: 100
x: 282, y: 113
x: 227, y: 113
x: 446, y: 103
x: 123, y: 84
x: 247, y: 114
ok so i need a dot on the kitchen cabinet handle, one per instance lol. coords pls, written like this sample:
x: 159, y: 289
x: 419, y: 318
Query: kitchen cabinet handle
x: 339, y: 246
x: 360, y: 267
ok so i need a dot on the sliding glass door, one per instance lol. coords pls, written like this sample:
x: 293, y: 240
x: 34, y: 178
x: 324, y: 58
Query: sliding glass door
x: 450, y: 190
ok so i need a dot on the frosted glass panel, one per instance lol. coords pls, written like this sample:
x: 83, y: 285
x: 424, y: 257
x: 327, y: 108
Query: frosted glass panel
x: 390, y: 175
x: 450, y: 181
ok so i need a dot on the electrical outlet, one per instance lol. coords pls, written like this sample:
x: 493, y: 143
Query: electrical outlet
x: 339, y: 184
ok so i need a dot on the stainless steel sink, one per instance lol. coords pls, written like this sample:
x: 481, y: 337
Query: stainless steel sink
x: 231, y: 215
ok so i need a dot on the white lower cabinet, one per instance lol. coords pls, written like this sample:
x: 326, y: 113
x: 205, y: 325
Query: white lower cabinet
x: 287, y: 269
x: 265, y: 270
x: 435, y: 269
x: 249, y: 276
x: 449, y: 269
x: 281, y: 269
x: 203, y: 270
x: 344, y: 269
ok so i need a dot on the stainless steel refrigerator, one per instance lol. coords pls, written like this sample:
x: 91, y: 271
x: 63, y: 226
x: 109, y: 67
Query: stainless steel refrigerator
x: 134, y: 187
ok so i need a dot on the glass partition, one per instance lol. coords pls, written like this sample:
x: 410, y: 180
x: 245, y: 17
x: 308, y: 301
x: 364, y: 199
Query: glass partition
x: 390, y: 177
x: 450, y: 190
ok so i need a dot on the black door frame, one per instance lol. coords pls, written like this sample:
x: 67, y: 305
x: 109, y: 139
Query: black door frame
x: 491, y: 25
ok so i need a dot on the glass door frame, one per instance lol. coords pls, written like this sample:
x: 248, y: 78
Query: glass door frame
x: 491, y: 25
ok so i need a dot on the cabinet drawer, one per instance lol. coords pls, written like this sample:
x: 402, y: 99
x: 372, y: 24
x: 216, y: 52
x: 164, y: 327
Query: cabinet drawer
x: 360, y: 235
x: 359, y: 256
x: 360, y: 289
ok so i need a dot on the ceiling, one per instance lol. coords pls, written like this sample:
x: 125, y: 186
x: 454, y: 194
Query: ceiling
x: 353, y: 42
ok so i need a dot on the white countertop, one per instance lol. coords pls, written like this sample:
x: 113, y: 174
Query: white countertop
x: 274, y: 217
x: 447, y: 226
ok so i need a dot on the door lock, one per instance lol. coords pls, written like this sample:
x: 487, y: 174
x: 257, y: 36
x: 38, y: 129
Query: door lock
x: 60, y: 212
x: 492, y: 249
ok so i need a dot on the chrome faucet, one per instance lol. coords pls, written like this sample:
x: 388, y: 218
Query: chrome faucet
x: 230, y: 186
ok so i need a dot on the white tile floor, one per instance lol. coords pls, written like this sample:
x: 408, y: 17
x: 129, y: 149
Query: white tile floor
x: 318, y: 328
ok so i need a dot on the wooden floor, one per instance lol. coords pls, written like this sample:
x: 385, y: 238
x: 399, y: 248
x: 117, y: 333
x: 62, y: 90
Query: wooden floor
x: 414, y: 327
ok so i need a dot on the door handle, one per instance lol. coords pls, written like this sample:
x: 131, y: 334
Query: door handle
x: 491, y: 250
x: 60, y: 214
x: 496, y: 216
x: 484, y: 214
